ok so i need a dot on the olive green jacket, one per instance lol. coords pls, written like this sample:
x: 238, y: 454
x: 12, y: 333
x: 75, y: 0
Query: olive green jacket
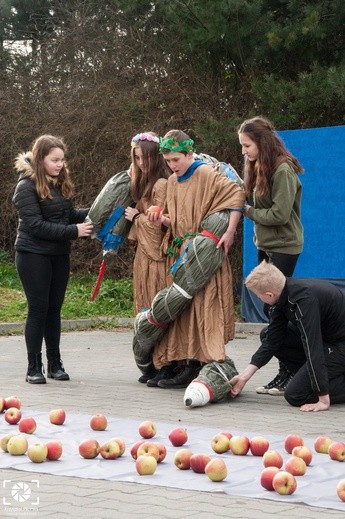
x: 277, y: 214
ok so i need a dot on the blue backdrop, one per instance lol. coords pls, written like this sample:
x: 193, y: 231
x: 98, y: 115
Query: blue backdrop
x: 321, y: 152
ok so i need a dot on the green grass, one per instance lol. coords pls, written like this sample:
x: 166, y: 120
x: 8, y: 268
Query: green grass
x: 115, y: 298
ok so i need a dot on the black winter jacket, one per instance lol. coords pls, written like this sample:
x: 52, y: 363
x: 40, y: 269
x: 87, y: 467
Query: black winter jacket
x: 45, y: 226
x: 317, y: 308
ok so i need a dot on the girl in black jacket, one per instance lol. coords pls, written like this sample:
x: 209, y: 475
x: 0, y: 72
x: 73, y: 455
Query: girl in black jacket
x: 47, y: 223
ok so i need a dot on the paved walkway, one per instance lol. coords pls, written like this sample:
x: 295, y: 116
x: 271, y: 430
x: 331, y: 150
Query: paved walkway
x: 104, y: 379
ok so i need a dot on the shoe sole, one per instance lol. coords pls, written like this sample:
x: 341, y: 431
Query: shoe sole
x: 262, y: 391
x: 59, y: 378
x: 276, y: 392
x: 36, y: 381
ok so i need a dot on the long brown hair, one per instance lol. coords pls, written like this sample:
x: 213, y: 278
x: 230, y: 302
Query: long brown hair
x: 155, y: 168
x: 40, y: 149
x: 272, y: 153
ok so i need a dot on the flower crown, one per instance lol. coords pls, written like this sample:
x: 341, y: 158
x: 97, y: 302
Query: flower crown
x: 145, y: 137
x: 174, y: 145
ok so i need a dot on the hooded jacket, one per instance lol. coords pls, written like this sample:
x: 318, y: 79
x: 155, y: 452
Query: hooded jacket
x: 45, y: 226
x: 317, y: 309
x: 277, y: 214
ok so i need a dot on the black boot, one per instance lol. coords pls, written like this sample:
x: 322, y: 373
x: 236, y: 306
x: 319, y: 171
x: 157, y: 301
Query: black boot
x: 152, y: 372
x: 56, y: 370
x: 165, y: 373
x: 185, y: 374
x: 34, y: 374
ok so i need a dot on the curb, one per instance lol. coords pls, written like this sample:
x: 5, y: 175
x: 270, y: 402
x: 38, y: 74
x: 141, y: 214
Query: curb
x: 116, y: 322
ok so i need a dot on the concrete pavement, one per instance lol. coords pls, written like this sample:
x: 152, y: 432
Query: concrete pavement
x: 104, y: 379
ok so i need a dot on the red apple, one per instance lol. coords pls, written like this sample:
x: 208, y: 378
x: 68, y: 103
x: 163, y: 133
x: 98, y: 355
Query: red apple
x: 178, y: 436
x: 98, y: 422
x: 266, y: 478
x: 216, y: 470
x: 296, y: 466
x: 303, y: 452
x: 341, y: 489
x: 57, y: 416
x: 37, y: 452
x: 148, y: 449
x: 13, y: 415
x: 54, y: 448
x: 182, y: 459
x: 147, y: 429
x: 284, y: 483
x: 12, y: 401
x: 89, y: 449
x: 134, y: 449
x: 227, y: 434
x: 27, y: 425
x: 110, y: 450
x: 17, y: 445
x: 272, y: 459
x: 146, y: 465
x: 162, y: 452
x: 220, y: 443
x: 321, y: 444
x: 121, y: 444
x: 198, y: 462
x: 2, y: 404
x: 154, y: 211
x: 291, y: 441
x: 259, y: 445
x: 239, y: 445
x: 336, y: 451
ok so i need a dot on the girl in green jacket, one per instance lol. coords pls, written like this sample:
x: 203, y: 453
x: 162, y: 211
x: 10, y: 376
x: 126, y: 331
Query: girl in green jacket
x: 273, y: 192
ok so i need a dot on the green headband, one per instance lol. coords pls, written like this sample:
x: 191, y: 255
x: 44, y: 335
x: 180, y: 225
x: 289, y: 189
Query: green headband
x: 171, y: 144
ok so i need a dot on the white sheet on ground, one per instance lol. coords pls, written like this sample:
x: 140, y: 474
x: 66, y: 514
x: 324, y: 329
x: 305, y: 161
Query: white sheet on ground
x: 316, y: 488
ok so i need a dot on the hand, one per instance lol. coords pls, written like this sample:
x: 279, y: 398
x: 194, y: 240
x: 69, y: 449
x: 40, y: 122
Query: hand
x: 84, y: 229
x: 237, y: 384
x: 245, y: 209
x: 226, y: 241
x: 322, y: 405
x: 154, y: 213
x: 130, y: 213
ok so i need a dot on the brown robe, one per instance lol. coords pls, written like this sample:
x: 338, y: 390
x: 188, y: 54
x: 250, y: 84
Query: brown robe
x: 149, y: 266
x: 204, y: 328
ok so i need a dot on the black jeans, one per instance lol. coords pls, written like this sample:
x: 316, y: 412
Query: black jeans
x: 286, y: 263
x: 44, y: 279
x: 299, y: 390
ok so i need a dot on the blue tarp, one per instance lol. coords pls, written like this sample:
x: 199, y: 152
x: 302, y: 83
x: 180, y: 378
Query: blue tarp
x: 321, y: 152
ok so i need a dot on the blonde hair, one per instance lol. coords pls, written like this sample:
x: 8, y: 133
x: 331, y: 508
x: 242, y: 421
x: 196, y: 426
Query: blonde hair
x: 265, y: 278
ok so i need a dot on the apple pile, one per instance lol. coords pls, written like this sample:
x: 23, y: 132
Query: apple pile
x: 147, y: 452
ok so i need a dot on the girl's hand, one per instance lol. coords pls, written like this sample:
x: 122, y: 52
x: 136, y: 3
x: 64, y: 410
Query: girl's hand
x: 84, y: 229
x: 130, y: 213
x: 154, y: 213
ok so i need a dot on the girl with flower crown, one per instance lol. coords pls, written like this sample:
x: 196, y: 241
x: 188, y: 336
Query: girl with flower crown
x: 149, y: 174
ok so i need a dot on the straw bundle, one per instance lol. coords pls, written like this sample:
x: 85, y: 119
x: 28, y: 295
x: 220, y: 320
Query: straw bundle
x: 114, y: 196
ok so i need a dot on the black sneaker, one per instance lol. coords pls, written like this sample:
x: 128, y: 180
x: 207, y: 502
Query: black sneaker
x: 276, y: 382
x: 280, y: 389
x: 165, y: 373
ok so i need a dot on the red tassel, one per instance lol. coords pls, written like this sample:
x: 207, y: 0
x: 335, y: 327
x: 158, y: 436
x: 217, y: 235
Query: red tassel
x: 101, y: 273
